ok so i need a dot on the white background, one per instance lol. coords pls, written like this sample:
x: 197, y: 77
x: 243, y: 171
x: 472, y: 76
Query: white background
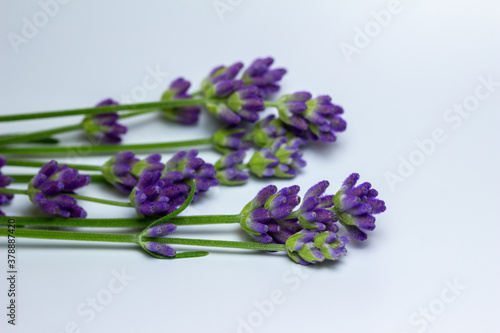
x: 442, y: 221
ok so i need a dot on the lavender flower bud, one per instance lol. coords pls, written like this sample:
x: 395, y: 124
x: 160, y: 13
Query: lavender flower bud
x: 311, y: 119
x: 160, y: 249
x: 265, y: 217
x: 259, y: 74
x: 307, y: 247
x: 283, y: 159
x: 49, y: 187
x: 231, y: 139
x: 160, y: 230
x: 313, y: 213
x: 186, y: 114
x: 356, y: 205
x: 184, y: 167
x: 104, y: 126
x: 4, y: 182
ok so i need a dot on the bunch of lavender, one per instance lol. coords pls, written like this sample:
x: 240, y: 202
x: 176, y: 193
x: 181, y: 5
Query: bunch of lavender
x: 277, y: 220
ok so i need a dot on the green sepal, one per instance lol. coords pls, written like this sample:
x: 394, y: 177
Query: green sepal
x: 90, y: 126
x: 305, y: 223
x: 306, y: 253
x: 234, y: 102
x: 107, y: 171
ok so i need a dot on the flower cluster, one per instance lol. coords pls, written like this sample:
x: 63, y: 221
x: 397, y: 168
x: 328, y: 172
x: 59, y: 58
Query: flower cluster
x: 186, y: 166
x: 4, y: 182
x: 282, y: 159
x: 124, y: 169
x: 235, y: 100
x: 308, y: 247
x: 356, y: 205
x: 310, y: 232
x: 229, y: 169
x: 104, y: 127
x: 51, y: 188
x: 260, y: 74
x: 185, y: 114
x: 265, y: 218
x: 311, y: 118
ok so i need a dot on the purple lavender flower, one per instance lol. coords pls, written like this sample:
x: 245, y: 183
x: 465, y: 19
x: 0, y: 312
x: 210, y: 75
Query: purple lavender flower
x: 311, y: 119
x: 4, y: 182
x: 104, y: 126
x: 154, y: 196
x: 313, y: 213
x: 160, y: 249
x: 259, y: 74
x: 49, y: 190
x: 228, y: 169
x: 184, y: 167
x: 124, y: 169
x: 356, y: 205
x: 267, y: 130
x: 230, y: 139
x: 307, y: 247
x: 160, y: 230
x: 282, y: 159
x: 266, y: 217
x: 186, y: 114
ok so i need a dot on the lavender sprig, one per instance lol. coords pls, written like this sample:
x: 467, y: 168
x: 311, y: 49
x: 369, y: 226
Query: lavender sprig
x: 49, y: 189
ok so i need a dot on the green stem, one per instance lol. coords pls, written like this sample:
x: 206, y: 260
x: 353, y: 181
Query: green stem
x: 103, y: 109
x: 216, y: 243
x: 65, y: 235
x: 27, y: 178
x: 112, y: 238
x: 38, y: 134
x: 117, y: 223
x: 76, y: 196
x: 137, y: 113
x: 271, y: 103
x: 46, y: 133
x: 38, y: 164
x: 107, y: 148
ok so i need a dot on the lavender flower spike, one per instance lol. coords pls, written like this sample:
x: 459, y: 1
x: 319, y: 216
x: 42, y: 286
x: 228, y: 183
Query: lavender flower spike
x: 259, y: 74
x: 266, y: 217
x: 313, y: 213
x: 124, y: 169
x: 4, y: 182
x: 311, y: 119
x: 356, y: 205
x: 49, y: 189
x: 104, y: 126
x: 307, y: 247
x: 186, y: 114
